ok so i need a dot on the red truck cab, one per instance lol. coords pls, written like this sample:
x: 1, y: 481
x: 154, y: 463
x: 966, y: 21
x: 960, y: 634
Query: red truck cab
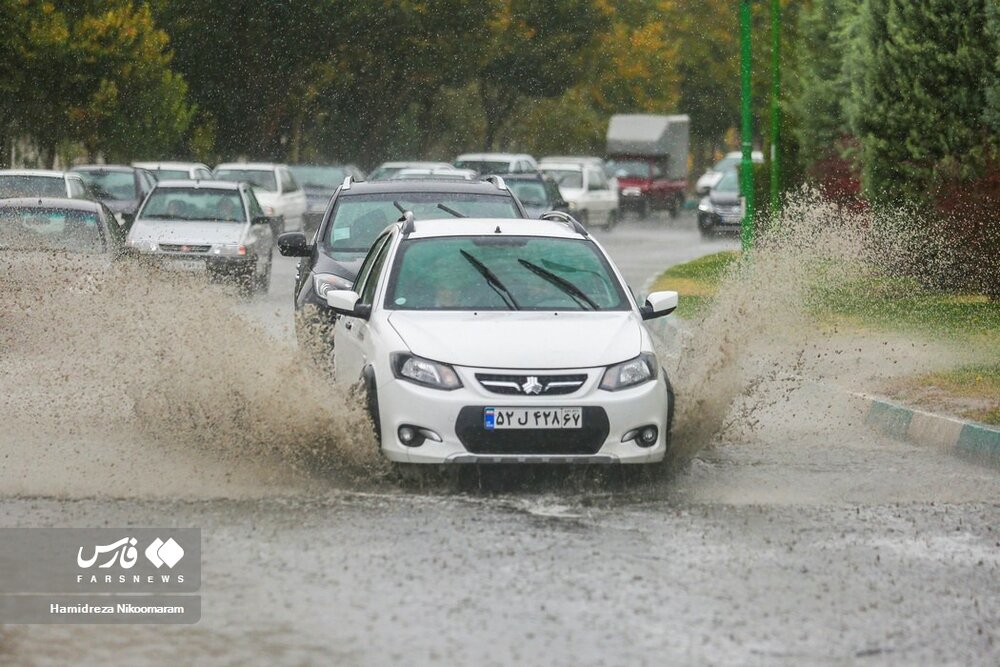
x: 644, y: 184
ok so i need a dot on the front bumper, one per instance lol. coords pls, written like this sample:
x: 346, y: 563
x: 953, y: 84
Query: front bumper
x: 607, y: 417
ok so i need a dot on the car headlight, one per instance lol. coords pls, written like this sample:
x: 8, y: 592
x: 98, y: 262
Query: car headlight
x: 228, y: 250
x: 630, y: 373
x: 571, y: 205
x: 424, y: 372
x: 327, y: 282
x: 143, y: 246
x: 705, y: 205
x: 269, y: 211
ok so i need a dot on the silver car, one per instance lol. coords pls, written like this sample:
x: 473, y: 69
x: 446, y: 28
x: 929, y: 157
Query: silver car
x: 216, y: 227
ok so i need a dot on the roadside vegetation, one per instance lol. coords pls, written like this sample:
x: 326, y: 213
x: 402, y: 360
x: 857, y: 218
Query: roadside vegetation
x: 899, y: 306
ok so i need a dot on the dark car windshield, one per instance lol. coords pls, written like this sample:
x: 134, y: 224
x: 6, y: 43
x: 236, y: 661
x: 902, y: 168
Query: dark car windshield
x: 502, y: 273
x: 531, y: 193
x: 258, y: 178
x: 31, y: 186
x: 357, y: 219
x: 113, y: 185
x: 485, y: 167
x: 35, y: 228
x: 319, y: 178
x: 193, y: 204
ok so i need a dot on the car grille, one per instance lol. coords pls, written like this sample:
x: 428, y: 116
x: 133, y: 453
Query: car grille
x: 176, y: 247
x: 531, y: 385
x: 587, y: 440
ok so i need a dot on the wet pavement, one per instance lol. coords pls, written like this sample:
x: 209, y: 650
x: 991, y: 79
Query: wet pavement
x: 799, y: 538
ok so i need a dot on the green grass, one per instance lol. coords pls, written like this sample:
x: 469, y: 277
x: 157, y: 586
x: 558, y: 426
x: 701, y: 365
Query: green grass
x: 696, y: 281
x: 978, y: 384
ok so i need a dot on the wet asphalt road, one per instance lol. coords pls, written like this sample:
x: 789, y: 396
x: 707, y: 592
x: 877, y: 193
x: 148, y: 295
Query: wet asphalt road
x: 807, y: 541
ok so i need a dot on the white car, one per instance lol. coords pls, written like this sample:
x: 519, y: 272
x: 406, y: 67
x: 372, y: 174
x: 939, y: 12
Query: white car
x: 497, y: 163
x: 592, y: 196
x: 173, y: 171
x: 282, y: 198
x: 387, y: 169
x: 494, y: 341
x: 42, y: 183
x: 440, y: 173
x: 713, y: 175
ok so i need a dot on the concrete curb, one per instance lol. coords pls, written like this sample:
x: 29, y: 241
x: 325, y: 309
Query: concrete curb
x: 966, y: 438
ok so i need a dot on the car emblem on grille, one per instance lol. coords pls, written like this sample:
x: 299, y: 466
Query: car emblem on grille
x: 532, y: 386
x: 185, y: 248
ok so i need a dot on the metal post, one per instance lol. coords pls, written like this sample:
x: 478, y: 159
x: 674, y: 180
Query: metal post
x: 746, y: 139
x: 775, y: 105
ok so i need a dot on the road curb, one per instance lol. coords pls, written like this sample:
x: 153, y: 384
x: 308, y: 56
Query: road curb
x: 967, y: 438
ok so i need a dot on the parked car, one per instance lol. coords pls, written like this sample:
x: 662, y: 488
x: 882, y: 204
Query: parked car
x: 56, y: 224
x: 119, y: 187
x: 387, y: 169
x: 721, y: 209
x: 438, y: 173
x: 574, y: 159
x: 502, y: 341
x: 590, y: 195
x: 173, y: 171
x: 497, y: 163
x: 358, y: 212
x: 279, y: 194
x: 538, y: 193
x: 41, y: 183
x: 217, y: 227
x: 319, y: 182
x: 713, y: 174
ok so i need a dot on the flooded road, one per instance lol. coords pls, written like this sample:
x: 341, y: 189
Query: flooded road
x: 796, y: 536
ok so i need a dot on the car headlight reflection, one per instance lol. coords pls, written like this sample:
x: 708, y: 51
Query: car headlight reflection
x: 143, y: 246
x: 424, y: 372
x: 228, y: 250
x: 630, y: 373
x: 328, y: 282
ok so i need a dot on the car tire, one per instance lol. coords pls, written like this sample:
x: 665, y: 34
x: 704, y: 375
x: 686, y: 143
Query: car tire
x: 674, y: 207
x: 644, y: 209
x: 371, y: 402
x: 612, y: 220
x: 246, y: 281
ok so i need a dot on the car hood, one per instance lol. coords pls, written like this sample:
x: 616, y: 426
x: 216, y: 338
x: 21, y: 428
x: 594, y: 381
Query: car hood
x: 121, y: 205
x: 166, y: 231
x: 346, y: 264
x: 528, y: 340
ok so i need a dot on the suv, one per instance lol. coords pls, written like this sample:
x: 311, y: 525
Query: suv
x: 278, y: 192
x: 502, y: 341
x: 591, y: 196
x: 119, y: 187
x: 356, y: 214
x: 497, y: 163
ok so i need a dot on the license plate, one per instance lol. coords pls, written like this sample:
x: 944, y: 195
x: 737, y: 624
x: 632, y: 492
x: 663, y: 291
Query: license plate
x: 185, y: 264
x: 495, y: 419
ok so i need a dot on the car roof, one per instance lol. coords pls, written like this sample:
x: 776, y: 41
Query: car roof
x: 488, y: 227
x: 47, y: 173
x: 498, y: 157
x: 104, y: 167
x: 168, y: 165
x: 250, y: 166
x: 51, y: 202
x: 421, y: 185
x: 200, y: 184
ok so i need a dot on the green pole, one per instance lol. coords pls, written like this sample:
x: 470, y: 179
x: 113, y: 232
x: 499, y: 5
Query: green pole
x: 775, y: 105
x: 746, y: 138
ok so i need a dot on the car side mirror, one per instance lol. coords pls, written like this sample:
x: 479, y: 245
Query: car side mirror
x: 345, y: 302
x: 293, y: 244
x: 659, y: 304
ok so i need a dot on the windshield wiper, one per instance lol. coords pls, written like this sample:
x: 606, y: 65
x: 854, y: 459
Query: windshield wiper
x: 492, y: 281
x: 556, y: 266
x: 397, y: 205
x: 563, y: 284
x: 448, y: 209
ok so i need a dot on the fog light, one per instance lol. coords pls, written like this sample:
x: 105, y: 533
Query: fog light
x: 407, y: 435
x: 647, y: 436
x: 414, y: 436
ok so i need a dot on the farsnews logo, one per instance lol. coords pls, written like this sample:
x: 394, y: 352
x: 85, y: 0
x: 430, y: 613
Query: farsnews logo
x: 159, y: 553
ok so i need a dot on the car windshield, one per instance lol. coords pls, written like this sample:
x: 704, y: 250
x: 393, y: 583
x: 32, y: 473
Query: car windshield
x: 171, y: 174
x: 503, y: 273
x: 729, y: 182
x: 258, y: 178
x: 571, y: 179
x: 531, y: 193
x: 629, y: 169
x: 31, y: 186
x: 193, y: 204
x: 485, y: 167
x: 358, y: 219
x: 113, y: 185
x: 31, y: 228
x: 319, y: 178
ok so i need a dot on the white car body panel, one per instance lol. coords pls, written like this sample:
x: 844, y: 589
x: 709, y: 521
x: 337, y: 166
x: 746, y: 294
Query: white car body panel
x: 289, y: 205
x: 598, y: 206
